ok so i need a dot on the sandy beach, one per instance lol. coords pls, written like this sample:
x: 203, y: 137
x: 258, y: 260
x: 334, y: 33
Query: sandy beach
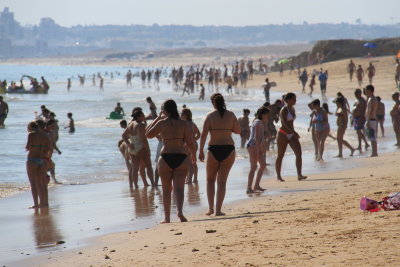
x: 315, y: 222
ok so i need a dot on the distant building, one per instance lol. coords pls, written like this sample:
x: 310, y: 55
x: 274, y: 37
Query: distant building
x: 9, y: 27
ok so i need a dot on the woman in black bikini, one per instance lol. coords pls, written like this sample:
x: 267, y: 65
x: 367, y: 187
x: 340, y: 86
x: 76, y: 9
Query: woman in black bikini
x: 288, y: 136
x: 37, y: 146
x: 220, y: 123
x: 173, y: 165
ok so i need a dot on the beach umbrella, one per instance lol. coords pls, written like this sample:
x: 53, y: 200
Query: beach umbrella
x: 370, y: 45
x: 283, y: 61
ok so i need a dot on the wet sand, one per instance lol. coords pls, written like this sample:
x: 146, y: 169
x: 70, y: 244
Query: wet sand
x: 310, y: 223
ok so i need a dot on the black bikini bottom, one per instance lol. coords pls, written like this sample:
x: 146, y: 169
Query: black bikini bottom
x: 221, y: 152
x: 174, y: 160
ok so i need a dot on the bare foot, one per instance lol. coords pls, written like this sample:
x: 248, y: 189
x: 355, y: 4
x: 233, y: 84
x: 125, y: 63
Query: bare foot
x: 220, y: 213
x: 182, y: 218
x: 338, y: 156
x: 188, y: 182
x: 195, y: 181
x: 34, y: 207
x: 366, y: 146
x: 301, y: 177
x: 259, y: 188
x: 249, y: 191
x: 165, y: 221
x: 210, y: 212
x: 280, y: 179
x: 352, y: 152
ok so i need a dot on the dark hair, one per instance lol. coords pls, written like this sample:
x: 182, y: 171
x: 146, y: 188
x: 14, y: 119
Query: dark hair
x: 188, y: 113
x: 339, y: 94
x: 339, y: 100
x: 50, y: 122
x: 370, y: 87
x: 136, y: 109
x: 316, y: 102
x: 137, y: 114
x: 69, y: 114
x: 45, y: 110
x: 266, y: 104
x: 219, y: 103
x: 278, y: 101
x: 378, y: 98
x: 123, y: 123
x: 289, y: 96
x: 171, y: 108
x: 33, y: 125
x: 261, y: 111
x: 149, y: 99
x: 246, y: 110
x: 40, y: 123
x: 395, y: 95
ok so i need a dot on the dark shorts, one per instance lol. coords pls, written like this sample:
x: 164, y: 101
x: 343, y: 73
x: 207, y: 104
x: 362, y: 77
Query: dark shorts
x: 359, y: 123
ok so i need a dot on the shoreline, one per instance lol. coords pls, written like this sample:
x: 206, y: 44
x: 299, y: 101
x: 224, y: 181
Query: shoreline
x: 323, y: 226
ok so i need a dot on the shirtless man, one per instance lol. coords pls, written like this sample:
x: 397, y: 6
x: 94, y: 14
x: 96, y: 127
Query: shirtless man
x: 350, y: 69
x: 37, y: 146
x: 380, y: 115
x: 3, y: 112
x: 371, y: 72
x: 358, y: 121
x: 118, y: 109
x: 360, y: 75
x: 397, y: 73
x: 372, y: 122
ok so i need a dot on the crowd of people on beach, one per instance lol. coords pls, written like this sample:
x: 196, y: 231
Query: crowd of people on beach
x: 178, y: 137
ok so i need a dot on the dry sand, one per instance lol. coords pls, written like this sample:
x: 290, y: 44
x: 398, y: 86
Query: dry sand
x: 338, y: 78
x: 317, y: 222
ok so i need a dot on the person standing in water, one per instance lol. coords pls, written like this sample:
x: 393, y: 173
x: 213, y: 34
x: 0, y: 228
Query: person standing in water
x: 220, y: 124
x: 68, y: 84
x: 372, y: 122
x: 37, y: 146
x: 186, y: 115
x: 244, y: 127
x: 256, y: 148
x: 173, y: 165
x: 395, y: 114
x: 342, y: 121
x: 380, y: 115
x: 321, y: 126
x: 358, y: 122
x: 3, y: 112
x: 288, y: 136
x: 71, y: 124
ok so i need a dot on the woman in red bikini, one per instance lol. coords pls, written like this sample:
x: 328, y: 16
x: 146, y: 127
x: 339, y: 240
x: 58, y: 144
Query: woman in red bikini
x: 287, y: 135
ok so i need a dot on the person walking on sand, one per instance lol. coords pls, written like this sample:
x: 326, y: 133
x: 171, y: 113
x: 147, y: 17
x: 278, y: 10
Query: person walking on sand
x: 3, y: 112
x: 360, y: 75
x: 303, y: 79
x: 256, y: 147
x: 395, y: 114
x: 323, y: 80
x: 342, y: 121
x: 267, y: 88
x: 311, y: 85
x: 220, y: 123
x: 173, y: 165
x: 358, y: 121
x: 350, y: 69
x: 37, y: 146
x: 138, y: 148
x: 321, y: 126
x: 186, y: 115
x: 288, y: 136
x: 372, y: 122
x: 371, y: 72
x: 71, y: 124
x: 380, y: 116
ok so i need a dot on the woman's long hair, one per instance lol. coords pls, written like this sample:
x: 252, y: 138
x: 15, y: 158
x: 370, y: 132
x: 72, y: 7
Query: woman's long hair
x: 218, y: 102
x: 188, y: 113
x: 171, y: 108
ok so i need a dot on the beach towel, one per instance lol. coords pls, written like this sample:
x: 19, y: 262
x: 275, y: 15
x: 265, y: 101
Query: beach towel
x: 391, y: 202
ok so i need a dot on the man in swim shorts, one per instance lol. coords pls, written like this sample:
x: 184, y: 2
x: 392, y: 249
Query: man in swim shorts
x: 372, y: 122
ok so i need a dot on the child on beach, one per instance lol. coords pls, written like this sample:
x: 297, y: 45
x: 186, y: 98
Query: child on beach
x: 71, y: 125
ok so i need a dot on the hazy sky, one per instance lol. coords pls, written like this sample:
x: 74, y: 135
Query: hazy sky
x: 203, y: 12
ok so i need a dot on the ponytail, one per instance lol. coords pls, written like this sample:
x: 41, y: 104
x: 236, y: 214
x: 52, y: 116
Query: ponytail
x: 219, y: 103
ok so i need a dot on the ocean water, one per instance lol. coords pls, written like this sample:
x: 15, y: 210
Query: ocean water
x: 90, y: 155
